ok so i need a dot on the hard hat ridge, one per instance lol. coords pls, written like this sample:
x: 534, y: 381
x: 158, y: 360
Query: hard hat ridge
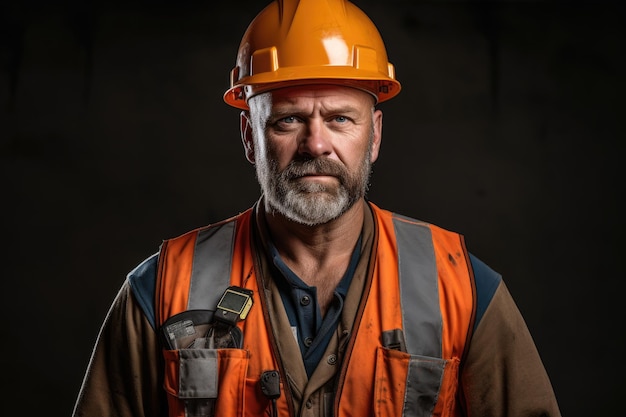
x: 306, y: 8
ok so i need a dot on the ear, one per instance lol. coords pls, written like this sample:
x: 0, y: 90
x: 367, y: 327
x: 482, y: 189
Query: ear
x: 246, y: 135
x: 377, y: 137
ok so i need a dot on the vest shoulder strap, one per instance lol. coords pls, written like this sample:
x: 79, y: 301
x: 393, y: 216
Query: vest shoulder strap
x: 194, y: 269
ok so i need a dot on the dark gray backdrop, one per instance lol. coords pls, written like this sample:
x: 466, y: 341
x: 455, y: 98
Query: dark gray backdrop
x: 509, y: 129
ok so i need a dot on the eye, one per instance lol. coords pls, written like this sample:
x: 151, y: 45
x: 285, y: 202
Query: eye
x: 288, y: 119
x: 341, y: 119
x: 285, y: 124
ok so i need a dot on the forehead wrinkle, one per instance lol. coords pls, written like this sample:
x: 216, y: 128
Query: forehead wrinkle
x: 320, y: 94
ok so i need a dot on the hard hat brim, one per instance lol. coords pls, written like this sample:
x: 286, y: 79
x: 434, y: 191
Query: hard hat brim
x: 381, y: 88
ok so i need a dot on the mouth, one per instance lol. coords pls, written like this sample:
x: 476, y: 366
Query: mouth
x: 315, y: 170
x: 321, y: 178
x: 311, y: 174
x: 317, y: 174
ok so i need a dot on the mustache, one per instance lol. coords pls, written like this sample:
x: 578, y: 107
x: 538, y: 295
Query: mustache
x: 317, y: 166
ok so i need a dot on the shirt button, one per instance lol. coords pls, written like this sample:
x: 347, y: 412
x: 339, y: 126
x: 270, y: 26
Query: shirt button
x: 308, y: 404
x: 308, y: 341
x: 331, y: 359
x: 305, y: 300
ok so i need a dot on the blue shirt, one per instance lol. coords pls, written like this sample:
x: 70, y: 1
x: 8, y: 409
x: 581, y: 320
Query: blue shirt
x: 300, y: 300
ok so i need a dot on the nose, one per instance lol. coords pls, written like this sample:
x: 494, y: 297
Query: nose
x: 315, y: 141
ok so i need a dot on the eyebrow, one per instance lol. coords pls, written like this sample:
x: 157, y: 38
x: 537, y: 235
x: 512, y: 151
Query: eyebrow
x: 289, y: 110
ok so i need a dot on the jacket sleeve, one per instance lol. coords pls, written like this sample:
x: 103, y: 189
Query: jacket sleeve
x: 503, y: 375
x: 124, y: 376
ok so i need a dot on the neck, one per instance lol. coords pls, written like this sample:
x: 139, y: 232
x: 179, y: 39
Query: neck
x: 294, y: 240
x: 319, y: 254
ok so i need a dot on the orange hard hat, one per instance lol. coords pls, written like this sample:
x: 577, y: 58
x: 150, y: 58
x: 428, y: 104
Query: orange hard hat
x: 295, y: 42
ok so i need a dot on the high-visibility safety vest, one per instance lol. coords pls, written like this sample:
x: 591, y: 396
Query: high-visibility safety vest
x: 419, y: 281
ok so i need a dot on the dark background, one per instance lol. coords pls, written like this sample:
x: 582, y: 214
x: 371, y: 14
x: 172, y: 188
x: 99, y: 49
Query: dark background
x: 114, y: 136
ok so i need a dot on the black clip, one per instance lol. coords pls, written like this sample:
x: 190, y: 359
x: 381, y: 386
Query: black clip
x: 394, y: 340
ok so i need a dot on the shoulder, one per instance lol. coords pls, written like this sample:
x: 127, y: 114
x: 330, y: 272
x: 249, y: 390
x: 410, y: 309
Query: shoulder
x: 487, y: 282
x: 142, y: 281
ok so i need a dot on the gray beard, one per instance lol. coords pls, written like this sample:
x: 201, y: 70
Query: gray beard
x: 311, y: 203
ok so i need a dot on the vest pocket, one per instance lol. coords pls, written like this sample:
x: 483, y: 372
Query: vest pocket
x: 410, y: 385
x: 192, y: 378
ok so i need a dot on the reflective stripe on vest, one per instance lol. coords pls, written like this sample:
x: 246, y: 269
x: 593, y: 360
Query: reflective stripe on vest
x: 210, y: 274
x: 421, y: 313
x: 420, y: 296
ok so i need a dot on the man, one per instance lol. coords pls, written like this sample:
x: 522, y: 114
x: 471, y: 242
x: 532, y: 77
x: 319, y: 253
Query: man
x: 314, y: 302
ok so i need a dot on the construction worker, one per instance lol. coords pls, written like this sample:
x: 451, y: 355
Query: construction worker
x: 315, y: 301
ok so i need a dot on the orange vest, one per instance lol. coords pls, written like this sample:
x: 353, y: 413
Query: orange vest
x: 420, y: 281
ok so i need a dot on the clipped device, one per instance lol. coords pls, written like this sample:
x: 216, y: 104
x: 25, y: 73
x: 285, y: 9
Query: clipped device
x: 270, y: 384
x: 234, y: 305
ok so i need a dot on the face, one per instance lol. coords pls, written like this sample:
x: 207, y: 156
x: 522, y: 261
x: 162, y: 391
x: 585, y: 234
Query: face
x: 313, y: 147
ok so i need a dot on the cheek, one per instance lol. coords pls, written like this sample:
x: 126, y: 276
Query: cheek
x: 281, y: 151
x: 356, y: 154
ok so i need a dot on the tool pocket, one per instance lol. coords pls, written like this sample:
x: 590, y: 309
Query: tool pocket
x: 192, y: 378
x: 413, y: 385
